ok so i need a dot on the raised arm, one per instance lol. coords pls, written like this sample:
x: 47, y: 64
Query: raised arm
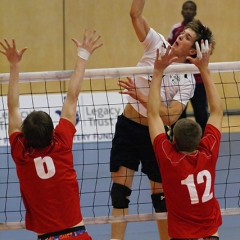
x: 214, y: 100
x: 139, y: 22
x: 155, y: 122
x: 14, y: 57
x: 85, y: 49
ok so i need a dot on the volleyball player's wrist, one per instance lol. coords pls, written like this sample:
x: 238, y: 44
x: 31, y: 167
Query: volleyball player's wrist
x: 83, y: 53
x: 204, y: 71
x: 142, y: 98
x: 14, y: 65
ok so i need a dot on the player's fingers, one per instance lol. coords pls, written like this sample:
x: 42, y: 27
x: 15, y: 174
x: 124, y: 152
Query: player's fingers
x: 159, y: 57
x: 85, y: 34
x: 13, y: 44
x: 92, y: 35
x: 130, y: 80
x: 2, y: 52
x: 97, y: 46
x: 206, y: 45
x: 122, y: 92
x: 199, y: 54
x: 23, y: 50
x: 190, y: 59
x: 203, y: 49
x: 210, y: 47
x: 168, y: 50
x: 96, y: 39
x: 7, y: 43
x: 123, y: 84
x: 76, y: 42
x: 3, y: 46
x: 163, y: 51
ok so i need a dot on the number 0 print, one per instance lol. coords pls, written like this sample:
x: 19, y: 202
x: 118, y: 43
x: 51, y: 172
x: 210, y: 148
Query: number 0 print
x: 189, y: 182
x: 45, y: 167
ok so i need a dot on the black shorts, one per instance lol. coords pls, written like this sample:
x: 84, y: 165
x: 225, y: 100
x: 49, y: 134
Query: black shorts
x: 130, y: 146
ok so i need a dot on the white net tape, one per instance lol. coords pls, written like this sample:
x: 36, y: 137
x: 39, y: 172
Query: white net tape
x: 120, y: 72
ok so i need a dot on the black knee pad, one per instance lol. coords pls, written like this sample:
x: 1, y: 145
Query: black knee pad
x: 159, y: 202
x: 118, y: 194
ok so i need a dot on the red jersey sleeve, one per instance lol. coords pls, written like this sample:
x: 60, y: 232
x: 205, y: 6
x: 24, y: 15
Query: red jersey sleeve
x: 14, y: 137
x: 64, y: 132
x: 158, y: 143
x: 210, y: 142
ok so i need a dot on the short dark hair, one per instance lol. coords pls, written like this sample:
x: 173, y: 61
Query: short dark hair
x: 187, y: 134
x: 37, y: 129
x: 202, y: 32
x: 191, y: 2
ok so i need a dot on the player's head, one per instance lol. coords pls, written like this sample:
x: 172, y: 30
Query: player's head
x: 184, y: 45
x: 189, y: 11
x: 187, y: 134
x: 202, y: 33
x: 37, y: 128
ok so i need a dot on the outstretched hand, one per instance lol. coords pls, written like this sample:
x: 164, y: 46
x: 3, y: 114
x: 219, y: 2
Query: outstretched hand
x: 13, y: 55
x: 203, y: 55
x: 164, y: 58
x: 131, y: 89
x: 88, y: 43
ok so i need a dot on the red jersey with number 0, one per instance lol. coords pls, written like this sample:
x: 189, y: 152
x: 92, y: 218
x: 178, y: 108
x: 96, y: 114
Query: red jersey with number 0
x: 48, y: 181
x: 188, y: 184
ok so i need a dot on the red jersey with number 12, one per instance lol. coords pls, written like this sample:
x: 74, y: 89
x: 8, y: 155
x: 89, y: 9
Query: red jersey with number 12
x: 188, y: 184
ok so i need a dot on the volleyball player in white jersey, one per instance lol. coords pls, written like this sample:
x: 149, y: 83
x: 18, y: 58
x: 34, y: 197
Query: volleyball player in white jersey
x: 131, y: 144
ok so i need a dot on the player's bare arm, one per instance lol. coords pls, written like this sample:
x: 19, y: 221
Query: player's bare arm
x: 139, y: 22
x: 155, y: 122
x: 14, y: 57
x: 201, y: 61
x: 85, y: 49
x: 171, y: 113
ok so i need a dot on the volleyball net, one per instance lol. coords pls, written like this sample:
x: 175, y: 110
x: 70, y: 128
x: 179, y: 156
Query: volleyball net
x: 99, y: 105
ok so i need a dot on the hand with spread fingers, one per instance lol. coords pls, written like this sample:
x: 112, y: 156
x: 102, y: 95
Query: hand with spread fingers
x: 203, y: 54
x: 13, y: 55
x: 88, y: 42
x: 164, y: 58
x: 131, y: 89
x: 87, y: 47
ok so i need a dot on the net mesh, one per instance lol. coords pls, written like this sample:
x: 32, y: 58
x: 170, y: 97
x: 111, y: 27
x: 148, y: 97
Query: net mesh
x: 99, y: 104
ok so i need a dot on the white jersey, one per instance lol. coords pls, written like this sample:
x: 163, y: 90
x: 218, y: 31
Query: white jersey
x: 179, y: 87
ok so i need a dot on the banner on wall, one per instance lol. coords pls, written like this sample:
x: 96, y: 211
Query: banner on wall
x: 96, y: 114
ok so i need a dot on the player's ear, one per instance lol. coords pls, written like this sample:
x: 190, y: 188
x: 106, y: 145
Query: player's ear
x: 192, y: 52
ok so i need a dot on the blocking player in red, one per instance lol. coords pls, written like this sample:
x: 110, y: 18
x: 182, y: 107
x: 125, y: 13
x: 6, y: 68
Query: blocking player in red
x: 43, y: 154
x: 188, y: 164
